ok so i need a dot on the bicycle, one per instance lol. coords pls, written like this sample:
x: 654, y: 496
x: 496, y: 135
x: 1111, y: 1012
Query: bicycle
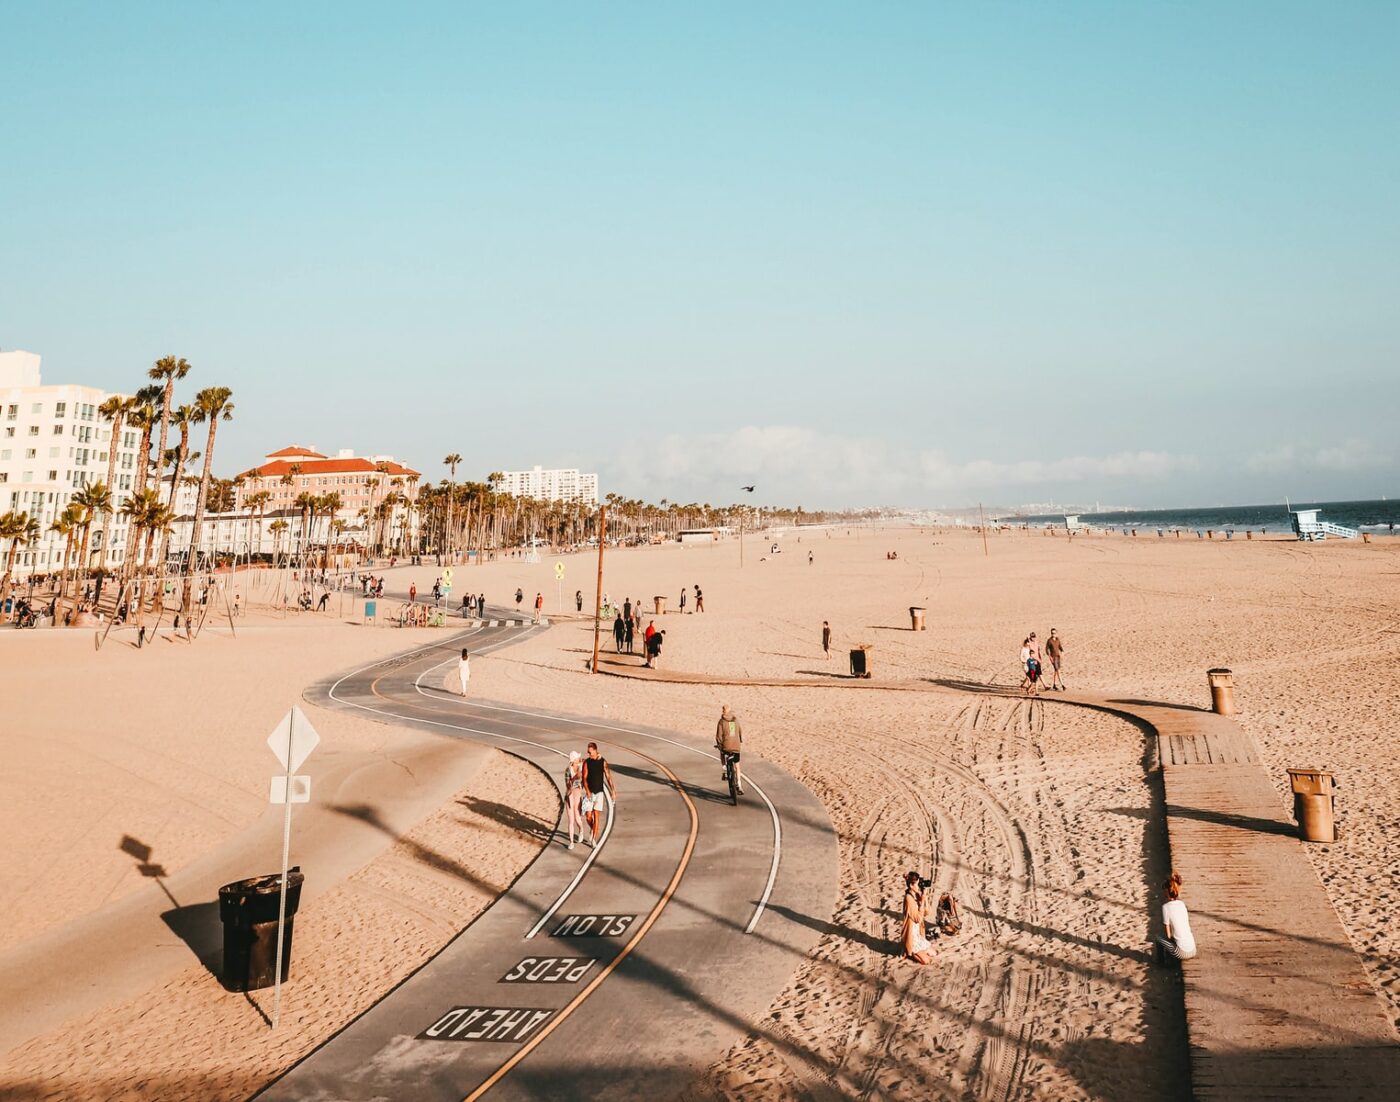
x: 731, y: 758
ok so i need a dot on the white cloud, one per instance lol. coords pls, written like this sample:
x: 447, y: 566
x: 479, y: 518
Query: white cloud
x: 799, y: 465
x: 1349, y: 455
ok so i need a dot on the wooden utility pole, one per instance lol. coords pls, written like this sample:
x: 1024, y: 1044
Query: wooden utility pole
x: 983, y: 517
x: 598, y: 594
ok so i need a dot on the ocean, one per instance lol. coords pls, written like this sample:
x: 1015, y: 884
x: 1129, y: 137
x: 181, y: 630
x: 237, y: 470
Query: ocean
x: 1368, y: 516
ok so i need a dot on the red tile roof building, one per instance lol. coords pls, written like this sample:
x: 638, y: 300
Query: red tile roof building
x: 361, y: 481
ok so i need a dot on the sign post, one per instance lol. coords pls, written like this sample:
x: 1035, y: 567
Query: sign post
x: 559, y: 577
x: 292, y: 741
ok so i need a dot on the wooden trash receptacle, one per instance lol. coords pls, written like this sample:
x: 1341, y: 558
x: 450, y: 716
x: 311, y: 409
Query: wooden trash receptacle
x: 1222, y: 691
x: 916, y: 618
x: 660, y: 605
x: 1312, y: 804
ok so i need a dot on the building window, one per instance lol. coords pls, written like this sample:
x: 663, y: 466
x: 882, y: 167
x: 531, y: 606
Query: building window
x: 53, y: 476
x: 58, y: 430
x: 11, y: 413
x: 53, y: 453
x: 37, y: 407
x: 30, y: 453
x: 33, y: 430
x: 60, y: 409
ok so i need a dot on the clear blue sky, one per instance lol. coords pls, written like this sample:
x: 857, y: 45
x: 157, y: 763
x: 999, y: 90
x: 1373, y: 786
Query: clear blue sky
x: 1142, y: 253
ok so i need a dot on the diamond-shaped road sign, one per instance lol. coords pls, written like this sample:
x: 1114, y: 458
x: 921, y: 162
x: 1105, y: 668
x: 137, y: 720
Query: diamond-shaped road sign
x: 303, y: 739
x: 559, y: 570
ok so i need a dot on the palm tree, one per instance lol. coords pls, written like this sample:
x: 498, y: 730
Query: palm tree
x: 451, y: 461
x: 211, y: 404
x: 66, y: 525
x: 115, y: 409
x: 277, y: 527
x: 93, y: 500
x: 256, y: 502
x: 183, y: 419
x: 306, y: 502
x: 21, y: 530
x: 168, y: 369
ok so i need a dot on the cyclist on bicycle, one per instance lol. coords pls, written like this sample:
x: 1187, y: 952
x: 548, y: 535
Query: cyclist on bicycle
x: 729, y: 737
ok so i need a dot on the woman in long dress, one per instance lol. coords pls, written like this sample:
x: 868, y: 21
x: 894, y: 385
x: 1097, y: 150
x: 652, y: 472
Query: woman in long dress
x: 916, y: 945
x: 573, y: 796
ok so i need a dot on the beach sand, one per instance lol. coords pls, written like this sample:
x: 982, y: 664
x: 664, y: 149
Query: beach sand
x: 1045, y: 821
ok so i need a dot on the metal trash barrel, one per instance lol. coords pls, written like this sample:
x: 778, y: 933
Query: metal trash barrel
x: 1312, y: 804
x: 660, y: 605
x: 248, y: 910
x: 860, y: 660
x: 916, y: 618
x: 1222, y: 691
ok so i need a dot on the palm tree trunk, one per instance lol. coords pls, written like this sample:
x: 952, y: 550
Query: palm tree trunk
x: 112, y: 489
x: 195, y: 531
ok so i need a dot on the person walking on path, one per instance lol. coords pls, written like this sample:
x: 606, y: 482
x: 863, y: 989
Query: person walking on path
x: 539, y: 606
x: 619, y: 632
x: 1030, y: 662
x: 1054, y: 651
x: 699, y: 600
x: 682, y: 600
x: 519, y: 596
x: 578, y: 599
x: 646, y: 640
x: 729, y: 739
x: 573, y: 796
x: 629, y: 627
x: 1179, y: 943
x: 826, y: 639
x: 916, y: 943
x: 627, y: 608
x: 810, y: 558
x: 654, y: 648
x: 412, y: 592
x: 598, y: 788
x: 464, y: 670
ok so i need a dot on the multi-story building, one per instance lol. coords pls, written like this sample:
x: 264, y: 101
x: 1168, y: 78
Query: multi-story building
x: 557, y: 485
x: 363, y: 483
x: 53, y: 443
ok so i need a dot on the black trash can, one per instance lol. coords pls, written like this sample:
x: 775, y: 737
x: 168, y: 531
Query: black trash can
x: 248, y: 910
x: 860, y: 661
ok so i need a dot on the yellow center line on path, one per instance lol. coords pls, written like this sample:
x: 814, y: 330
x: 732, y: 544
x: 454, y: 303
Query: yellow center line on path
x: 626, y: 951
x: 578, y: 999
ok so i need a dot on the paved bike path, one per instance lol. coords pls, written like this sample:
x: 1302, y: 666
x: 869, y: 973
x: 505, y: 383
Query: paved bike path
x: 621, y: 972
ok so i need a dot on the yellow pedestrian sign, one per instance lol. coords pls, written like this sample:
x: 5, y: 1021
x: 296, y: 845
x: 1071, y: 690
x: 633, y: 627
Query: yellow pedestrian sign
x: 559, y: 571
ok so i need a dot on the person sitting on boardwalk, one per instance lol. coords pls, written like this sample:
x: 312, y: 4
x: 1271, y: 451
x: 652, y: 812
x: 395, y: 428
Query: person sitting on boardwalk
x: 1179, y: 943
x: 916, y: 944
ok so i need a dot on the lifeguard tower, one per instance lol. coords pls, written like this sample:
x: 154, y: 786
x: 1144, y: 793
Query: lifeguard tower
x: 1308, y: 526
x: 1072, y: 523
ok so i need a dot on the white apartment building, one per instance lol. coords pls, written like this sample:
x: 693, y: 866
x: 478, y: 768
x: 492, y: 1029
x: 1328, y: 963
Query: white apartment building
x: 53, y: 442
x: 557, y: 485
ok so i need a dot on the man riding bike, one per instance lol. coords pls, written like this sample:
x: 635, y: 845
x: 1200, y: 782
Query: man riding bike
x: 729, y: 737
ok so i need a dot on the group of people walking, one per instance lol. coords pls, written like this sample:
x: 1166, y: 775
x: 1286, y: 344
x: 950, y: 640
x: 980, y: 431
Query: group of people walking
x: 588, y: 792
x: 1032, y: 667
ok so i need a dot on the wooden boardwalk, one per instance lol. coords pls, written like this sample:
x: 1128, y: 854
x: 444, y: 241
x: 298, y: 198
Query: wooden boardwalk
x: 1278, y: 1004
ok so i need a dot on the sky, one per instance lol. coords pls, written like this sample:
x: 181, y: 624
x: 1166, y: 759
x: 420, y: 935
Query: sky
x: 907, y: 254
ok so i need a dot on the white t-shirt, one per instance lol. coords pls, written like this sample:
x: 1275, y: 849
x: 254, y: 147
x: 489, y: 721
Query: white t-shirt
x: 1175, y: 916
x: 464, y: 670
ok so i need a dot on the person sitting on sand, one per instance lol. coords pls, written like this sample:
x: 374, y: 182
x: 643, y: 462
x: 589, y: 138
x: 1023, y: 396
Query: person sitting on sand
x: 1179, y: 943
x: 916, y: 944
x: 946, y: 916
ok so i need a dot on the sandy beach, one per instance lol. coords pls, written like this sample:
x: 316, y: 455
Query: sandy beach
x: 1045, y: 821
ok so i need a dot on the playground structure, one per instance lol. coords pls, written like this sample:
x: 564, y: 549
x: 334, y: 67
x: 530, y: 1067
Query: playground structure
x: 1307, y: 526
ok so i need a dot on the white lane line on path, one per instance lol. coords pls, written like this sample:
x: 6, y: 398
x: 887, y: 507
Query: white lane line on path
x: 772, y: 811
x: 587, y: 864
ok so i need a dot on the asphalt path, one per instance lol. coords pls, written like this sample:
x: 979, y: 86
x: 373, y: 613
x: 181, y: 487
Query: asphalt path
x: 619, y: 971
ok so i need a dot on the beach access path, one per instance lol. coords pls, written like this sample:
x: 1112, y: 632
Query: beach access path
x: 623, y: 970
x: 1278, y: 1004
